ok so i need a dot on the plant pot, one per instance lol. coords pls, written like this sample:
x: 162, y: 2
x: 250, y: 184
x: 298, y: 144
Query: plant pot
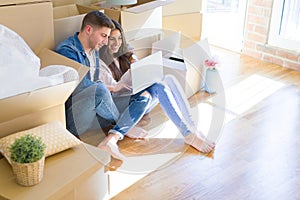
x: 29, y: 174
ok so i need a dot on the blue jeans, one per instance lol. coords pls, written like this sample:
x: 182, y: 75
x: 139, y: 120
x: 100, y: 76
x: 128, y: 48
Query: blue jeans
x: 137, y: 105
x: 83, y: 107
x: 93, y: 108
x: 173, y: 103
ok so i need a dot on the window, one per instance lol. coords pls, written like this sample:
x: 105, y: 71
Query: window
x: 222, y: 5
x: 285, y: 25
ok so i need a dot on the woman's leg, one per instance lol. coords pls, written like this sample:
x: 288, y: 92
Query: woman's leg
x: 180, y: 98
x: 133, y: 113
x: 137, y: 107
x: 170, y: 107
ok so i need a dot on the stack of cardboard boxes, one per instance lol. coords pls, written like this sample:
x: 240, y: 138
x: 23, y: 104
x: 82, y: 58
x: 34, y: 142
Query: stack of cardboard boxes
x: 184, y: 16
x: 77, y: 173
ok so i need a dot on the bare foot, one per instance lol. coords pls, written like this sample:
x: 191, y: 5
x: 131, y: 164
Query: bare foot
x: 109, y: 144
x: 136, y: 133
x: 199, y: 143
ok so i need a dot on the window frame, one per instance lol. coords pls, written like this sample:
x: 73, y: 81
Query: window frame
x: 274, y: 38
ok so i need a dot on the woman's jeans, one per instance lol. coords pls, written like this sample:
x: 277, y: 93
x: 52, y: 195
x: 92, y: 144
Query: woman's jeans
x: 174, y: 103
x: 136, y: 107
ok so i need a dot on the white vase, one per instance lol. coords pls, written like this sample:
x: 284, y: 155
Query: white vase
x: 211, y: 80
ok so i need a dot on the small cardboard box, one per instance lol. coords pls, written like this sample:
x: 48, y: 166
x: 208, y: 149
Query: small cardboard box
x: 188, y: 67
x: 31, y: 19
x: 190, y: 25
x: 146, y: 14
x: 75, y: 174
x: 68, y: 20
x: 182, y: 7
x: 30, y: 109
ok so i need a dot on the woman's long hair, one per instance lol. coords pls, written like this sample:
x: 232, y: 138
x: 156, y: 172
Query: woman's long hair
x: 123, y: 55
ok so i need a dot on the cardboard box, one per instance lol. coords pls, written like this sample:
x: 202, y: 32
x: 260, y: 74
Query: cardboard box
x: 40, y: 106
x: 31, y: 19
x: 187, y: 75
x: 77, y: 173
x: 182, y: 7
x: 68, y: 20
x: 146, y: 14
x: 190, y: 25
x: 185, y: 64
x: 57, y: 3
x: 142, y: 46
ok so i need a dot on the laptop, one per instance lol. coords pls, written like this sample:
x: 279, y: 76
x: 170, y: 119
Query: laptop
x: 144, y: 73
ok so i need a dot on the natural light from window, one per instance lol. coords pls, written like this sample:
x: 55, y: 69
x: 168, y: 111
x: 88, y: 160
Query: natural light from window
x: 285, y: 24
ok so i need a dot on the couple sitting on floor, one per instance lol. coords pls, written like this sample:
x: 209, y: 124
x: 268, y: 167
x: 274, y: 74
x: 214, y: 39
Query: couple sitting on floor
x: 101, y: 45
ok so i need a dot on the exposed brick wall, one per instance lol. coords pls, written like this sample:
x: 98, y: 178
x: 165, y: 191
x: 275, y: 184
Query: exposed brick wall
x: 256, y: 37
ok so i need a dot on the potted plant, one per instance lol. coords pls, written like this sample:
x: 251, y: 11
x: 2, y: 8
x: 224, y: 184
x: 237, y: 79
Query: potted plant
x: 27, y: 159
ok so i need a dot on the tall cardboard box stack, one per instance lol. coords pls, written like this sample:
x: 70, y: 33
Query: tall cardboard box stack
x: 77, y: 173
x: 184, y: 16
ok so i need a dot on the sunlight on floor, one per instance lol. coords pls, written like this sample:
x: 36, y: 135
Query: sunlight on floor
x: 135, y: 168
x: 247, y: 93
x: 209, y: 118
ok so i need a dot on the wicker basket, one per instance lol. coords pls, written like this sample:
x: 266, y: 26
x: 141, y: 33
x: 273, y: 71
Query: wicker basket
x: 29, y: 174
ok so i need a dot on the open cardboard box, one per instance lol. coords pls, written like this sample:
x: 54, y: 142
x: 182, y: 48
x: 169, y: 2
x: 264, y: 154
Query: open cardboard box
x: 75, y: 174
x: 68, y: 20
x: 31, y: 19
x: 146, y: 14
x: 40, y: 106
x: 184, y: 60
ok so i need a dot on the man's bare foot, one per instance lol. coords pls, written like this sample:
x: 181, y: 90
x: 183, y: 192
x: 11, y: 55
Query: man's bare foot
x: 109, y: 144
x: 199, y: 143
x: 136, y: 133
x: 146, y: 120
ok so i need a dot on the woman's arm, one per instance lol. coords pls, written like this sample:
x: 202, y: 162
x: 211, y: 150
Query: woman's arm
x: 107, y: 78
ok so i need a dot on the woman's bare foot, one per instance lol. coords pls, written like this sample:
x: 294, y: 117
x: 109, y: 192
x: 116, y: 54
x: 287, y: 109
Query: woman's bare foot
x: 199, y: 143
x: 136, y: 133
x: 109, y: 144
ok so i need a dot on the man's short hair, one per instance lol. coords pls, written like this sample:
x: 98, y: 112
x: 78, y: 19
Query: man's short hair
x: 97, y: 19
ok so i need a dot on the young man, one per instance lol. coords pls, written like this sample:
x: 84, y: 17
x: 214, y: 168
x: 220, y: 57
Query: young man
x: 91, y: 102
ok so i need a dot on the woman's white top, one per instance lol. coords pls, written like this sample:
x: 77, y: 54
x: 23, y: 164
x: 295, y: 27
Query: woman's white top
x: 107, y: 78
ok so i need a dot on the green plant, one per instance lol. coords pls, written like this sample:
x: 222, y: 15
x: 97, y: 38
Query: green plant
x: 27, y: 149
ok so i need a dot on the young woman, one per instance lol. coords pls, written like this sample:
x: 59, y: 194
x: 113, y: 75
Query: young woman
x: 116, y: 74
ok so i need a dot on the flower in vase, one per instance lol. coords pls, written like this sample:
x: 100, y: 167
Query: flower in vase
x: 211, y: 63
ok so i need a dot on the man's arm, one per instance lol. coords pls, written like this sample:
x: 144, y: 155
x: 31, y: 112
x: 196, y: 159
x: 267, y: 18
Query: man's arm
x: 69, y: 52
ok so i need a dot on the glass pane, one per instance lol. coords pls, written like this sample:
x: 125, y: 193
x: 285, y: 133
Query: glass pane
x: 290, y: 23
x: 222, y: 5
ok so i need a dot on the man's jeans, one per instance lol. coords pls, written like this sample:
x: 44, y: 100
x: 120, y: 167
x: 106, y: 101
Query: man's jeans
x: 83, y: 108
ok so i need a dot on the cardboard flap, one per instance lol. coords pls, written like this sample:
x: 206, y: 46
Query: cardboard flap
x: 65, y: 11
x: 49, y: 57
x: 112, y: 13
x: 148, y: 6
x: 34, y: 101
x: 15, y: 2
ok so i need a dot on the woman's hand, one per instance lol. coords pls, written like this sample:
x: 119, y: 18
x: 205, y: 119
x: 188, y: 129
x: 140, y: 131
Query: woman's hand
x: 120, y: 86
